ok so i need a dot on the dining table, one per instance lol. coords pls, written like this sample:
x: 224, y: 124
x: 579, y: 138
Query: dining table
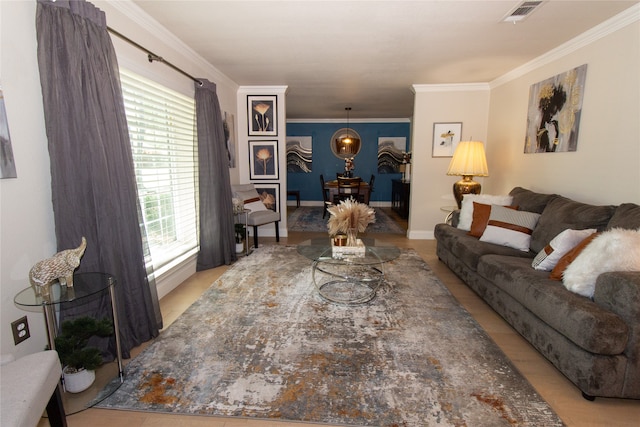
x: 332, y: 186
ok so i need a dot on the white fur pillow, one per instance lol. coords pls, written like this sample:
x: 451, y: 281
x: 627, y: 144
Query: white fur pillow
x: 466, y: 211
x: 614, y: 250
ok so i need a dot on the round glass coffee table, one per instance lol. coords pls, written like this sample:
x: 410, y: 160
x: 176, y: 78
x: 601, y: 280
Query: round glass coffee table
x: 348, y: 278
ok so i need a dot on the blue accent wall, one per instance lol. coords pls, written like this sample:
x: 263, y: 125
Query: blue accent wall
x: 326, y: 163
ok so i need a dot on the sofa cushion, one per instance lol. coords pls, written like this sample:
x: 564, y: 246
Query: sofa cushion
x: 579, y: 319
x: 627, y: 215
x: 469, y: 249
x: 530, y: 201
x: 561, y: 214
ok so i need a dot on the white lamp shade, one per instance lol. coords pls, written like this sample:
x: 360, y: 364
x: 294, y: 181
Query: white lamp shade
x: 469, y: 159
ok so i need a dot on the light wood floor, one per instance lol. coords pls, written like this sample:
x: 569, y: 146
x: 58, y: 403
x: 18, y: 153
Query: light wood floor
x: 563, y: 397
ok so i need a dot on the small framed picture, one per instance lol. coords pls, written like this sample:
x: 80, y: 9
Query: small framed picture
x: 262, y: 115
x: 269, y: 194
x: 446, y: 137
x: 263, y: 159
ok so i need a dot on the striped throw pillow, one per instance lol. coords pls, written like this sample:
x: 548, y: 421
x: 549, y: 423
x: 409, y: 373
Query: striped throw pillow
x: 508, y: 227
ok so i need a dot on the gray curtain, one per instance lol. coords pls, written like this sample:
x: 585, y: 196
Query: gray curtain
x: 217, y: 244
x: 92, y: 177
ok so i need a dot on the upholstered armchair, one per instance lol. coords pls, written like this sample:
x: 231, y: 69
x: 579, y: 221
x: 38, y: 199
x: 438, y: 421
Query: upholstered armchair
x: 259, y: 214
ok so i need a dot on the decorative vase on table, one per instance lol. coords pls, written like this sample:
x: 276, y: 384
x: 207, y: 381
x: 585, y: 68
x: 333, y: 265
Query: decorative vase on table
x: 350, y: 217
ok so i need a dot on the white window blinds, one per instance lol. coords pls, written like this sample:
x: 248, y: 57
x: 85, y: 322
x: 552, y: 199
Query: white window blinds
x: 161, y: 128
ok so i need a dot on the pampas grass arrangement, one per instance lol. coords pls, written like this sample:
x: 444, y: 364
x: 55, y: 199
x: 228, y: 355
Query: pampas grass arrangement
x: 350, y: 214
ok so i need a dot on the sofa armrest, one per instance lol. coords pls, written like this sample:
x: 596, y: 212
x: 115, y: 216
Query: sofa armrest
x: 455, y: 218
x: 619, y: 292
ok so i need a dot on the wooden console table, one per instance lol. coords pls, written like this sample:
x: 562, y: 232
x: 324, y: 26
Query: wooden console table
x: 400, y: 197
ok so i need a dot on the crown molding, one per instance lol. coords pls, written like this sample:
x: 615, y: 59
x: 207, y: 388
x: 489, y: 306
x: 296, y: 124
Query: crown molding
x: 395, y: 120
x: 454, y: 87
x: 129, y: 9
x: 262, y: 90
x: 604, y: 29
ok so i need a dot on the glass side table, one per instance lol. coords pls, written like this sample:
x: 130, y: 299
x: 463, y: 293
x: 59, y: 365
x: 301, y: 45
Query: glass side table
x: 86, y: 287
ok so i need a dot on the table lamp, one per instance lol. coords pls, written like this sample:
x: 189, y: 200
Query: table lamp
x: 468, y: 160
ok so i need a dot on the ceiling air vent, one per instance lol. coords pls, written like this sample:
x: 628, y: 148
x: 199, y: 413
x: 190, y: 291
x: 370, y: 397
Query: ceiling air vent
x: 521, y: 11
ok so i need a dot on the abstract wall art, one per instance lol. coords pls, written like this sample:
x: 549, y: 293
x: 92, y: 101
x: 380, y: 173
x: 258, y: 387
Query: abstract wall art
x: 553, y: 117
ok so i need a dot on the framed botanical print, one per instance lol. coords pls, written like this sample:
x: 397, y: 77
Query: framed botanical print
x: 446, y: 137
x: 269, y: 194
x: 262, y: 115
x: 263, y: 159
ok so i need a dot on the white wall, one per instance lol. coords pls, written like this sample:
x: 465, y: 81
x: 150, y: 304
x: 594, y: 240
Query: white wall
x: 605, y: 169
x: 281, y: 138
x: 431, y: 188
x: 26, y: 221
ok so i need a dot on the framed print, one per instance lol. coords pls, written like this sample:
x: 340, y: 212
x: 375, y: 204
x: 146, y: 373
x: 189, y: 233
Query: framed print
x: 262, y: 115
x: 553, y: 116
x: 446, y: 137
x: 269, y: 194
x: 299, y: 153
x: 390, y: 153
x: 263, y: 159
x: 7, y: 161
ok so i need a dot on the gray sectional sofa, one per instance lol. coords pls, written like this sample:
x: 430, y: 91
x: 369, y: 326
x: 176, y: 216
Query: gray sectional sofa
x: 594, y: 342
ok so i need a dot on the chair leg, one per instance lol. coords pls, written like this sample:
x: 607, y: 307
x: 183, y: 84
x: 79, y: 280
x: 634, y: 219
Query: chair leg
x: 277, y: 223
x: 255, y: 236
x: 55, y: 410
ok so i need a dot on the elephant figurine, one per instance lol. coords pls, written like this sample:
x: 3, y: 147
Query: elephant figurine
x: 59, y: 267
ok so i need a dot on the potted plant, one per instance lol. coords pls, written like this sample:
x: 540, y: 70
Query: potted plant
x: 78, y: 359
x: 240, y: 231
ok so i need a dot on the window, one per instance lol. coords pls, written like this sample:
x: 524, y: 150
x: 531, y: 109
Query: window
x: 161, y: 128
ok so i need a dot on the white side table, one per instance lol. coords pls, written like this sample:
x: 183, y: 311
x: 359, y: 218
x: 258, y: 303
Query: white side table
x: 449, y: 210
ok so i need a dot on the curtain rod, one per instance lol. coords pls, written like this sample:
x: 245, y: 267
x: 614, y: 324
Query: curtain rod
x: 152, y: 56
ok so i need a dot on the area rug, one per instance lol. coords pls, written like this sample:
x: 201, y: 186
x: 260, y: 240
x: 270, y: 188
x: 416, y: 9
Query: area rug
x: 309, y: 219
x: 262, y: 343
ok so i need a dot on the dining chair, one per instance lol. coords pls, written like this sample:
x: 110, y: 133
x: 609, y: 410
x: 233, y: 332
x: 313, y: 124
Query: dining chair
x: 371, y: 182
x: 348, y: 188
x: 260, y: 214
x: 325, y: 197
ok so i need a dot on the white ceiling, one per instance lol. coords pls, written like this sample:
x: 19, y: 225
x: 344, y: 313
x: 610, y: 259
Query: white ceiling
x: 368, y: 54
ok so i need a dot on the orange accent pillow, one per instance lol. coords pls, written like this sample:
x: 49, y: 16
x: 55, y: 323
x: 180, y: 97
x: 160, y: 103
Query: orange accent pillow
x: 569, y: 257
x: 480, y: 219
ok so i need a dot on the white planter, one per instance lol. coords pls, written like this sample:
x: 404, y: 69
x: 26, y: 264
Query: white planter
x: 239, y: 248
x: 78, y: 381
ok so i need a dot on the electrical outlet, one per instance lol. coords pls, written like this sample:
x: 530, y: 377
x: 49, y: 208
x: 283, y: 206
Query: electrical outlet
x: 20, y: 329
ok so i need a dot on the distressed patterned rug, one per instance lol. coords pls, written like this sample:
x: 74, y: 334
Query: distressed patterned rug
x: 309, y: 219
x: 261, y: 343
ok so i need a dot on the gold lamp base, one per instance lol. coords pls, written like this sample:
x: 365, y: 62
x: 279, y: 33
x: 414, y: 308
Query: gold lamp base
x: 465, y: 186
